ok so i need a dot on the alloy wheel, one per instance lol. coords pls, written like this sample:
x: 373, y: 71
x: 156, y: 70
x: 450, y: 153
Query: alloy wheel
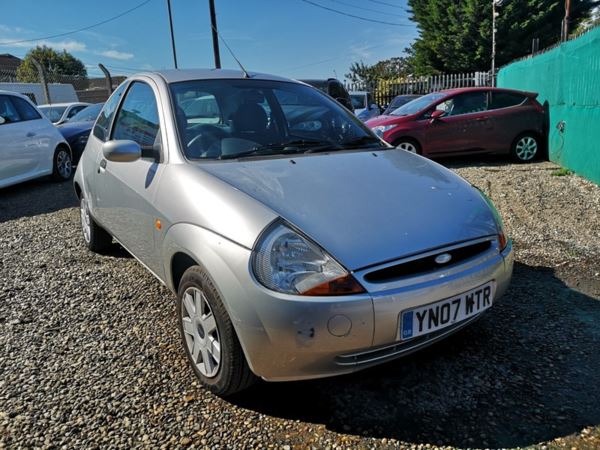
x: 526, y: 148
x: 201, y: 332
x: 408, y: 146
x: 85, y: 220
x: 64, y: 165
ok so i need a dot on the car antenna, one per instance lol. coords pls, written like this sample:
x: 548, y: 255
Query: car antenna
x: 246, y: 74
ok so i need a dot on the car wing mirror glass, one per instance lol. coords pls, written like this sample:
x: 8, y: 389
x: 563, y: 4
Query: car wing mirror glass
x: 121, y: 151
x: 437, y: 115
x: 2, y: 120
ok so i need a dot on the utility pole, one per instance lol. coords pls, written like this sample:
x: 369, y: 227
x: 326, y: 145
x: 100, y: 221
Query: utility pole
x: 494, y: 15
x: 566, y: 20
x: 215, y: 34
x: 172, y: 35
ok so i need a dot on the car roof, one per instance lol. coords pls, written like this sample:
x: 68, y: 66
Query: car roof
x: 483, y: 88
x: 178, y: 75
x: 65, y: 104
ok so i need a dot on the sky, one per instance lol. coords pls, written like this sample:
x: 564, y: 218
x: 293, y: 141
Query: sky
x: 291, y: 38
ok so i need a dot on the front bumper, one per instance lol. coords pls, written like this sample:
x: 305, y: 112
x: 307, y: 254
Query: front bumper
x: 290, y: 337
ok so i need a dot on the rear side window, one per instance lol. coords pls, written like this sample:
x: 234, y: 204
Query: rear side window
x: 8, y: 110
x: 102, y: 127
x: 137, y: 119
x: 26, y: 111
x: 505, y: 100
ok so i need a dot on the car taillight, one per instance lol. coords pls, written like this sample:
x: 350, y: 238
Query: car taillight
x: 537, y: 105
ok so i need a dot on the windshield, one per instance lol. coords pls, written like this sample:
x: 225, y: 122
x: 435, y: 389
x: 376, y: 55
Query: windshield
x: 418, y: 104
x: 88, y: 114
x: 54, y: 113
x: 224, y: 119
x: 359, y: 101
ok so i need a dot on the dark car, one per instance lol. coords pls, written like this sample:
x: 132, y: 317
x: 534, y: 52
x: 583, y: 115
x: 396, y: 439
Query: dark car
x: 398, y: 101
x: 335, y: 89
x: 467, y: 121
x: 77, y: 130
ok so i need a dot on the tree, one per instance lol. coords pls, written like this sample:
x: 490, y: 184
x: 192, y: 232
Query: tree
x: 456, y: 36
x: 388, y: 69
x: 57, y: 64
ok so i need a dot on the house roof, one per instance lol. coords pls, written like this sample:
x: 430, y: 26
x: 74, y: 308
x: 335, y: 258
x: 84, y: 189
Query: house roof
x: 9, y: 62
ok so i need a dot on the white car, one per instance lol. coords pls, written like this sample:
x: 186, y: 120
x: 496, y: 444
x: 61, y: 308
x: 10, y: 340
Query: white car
x: 30, y: 146
x: 364, y: 106
x: 61, y: 112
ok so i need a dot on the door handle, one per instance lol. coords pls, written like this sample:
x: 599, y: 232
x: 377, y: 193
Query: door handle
x: 30, y: 134
x: 102, y: 167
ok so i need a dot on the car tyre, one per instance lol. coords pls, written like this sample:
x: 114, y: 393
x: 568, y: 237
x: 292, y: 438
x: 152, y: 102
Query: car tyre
x: 208, y: 336
x: 62, y: 164
x: 409, y: 145
x: 526, y: 147
x: 95, y: 237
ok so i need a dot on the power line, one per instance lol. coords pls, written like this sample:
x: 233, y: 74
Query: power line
x: 78, y: 30
x: 354, y: 16
x: 367, y: 9
x: 386, y: 4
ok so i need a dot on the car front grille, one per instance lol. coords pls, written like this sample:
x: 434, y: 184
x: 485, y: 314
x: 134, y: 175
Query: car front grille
x: 426, y: 263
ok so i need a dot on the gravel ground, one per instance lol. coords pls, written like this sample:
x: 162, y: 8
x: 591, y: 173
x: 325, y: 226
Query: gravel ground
x: 90, y: 355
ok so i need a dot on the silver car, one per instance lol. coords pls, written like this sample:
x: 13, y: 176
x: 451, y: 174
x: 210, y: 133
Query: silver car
x: 299, y: 244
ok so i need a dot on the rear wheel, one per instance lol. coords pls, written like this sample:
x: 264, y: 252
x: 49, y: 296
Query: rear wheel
x: 526, y: 147
x: 209, y: 340
x: 95, y: 237
x: 409, y: 145
x: 62, y: 164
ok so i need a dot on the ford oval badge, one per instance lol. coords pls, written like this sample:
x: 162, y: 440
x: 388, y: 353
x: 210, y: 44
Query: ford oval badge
x: 444, y: 258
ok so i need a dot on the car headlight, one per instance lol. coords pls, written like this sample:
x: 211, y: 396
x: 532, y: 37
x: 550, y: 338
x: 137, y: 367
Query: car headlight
x: 288, y: 262
x: 382, y: 129
x: 502, y: 239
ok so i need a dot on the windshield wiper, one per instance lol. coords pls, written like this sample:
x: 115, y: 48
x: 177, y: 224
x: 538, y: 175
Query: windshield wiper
x: 361, y: 141
x: 276, y: 148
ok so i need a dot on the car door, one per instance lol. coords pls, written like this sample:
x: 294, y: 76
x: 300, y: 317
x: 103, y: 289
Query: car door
x: 40, y: 137
x: 463, y: 125
x: 126, y: 190
x: 509, y: 118
x: 12, y: 136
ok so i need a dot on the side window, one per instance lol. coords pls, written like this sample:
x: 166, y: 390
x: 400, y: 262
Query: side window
x: 468, y: 103
x: 8, y: 111
x: 25, y: 110
x: 505, y: 100
x: 137, y: 120
x: 101, y: 129
x: 74, y: 111
x: 336, y: 90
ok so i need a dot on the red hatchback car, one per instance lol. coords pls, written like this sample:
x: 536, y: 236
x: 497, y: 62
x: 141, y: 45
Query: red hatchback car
x: 466, y: 121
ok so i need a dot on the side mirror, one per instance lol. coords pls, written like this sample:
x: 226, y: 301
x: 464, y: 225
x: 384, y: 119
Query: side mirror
x: 2, y: 120
x: 121, y: 151
x: 437, y: 115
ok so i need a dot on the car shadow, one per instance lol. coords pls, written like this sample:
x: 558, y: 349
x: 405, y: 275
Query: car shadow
x: 40, y: 196
x: 527, y: 372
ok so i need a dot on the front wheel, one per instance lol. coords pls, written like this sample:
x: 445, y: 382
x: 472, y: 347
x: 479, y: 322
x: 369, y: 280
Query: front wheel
x: 62, y: 164
x: 525, y: 148
x: 209, y: 340
x: 95, y: 237
x: 408, y: 145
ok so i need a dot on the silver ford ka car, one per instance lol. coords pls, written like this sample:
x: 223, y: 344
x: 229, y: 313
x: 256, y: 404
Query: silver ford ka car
x: 299, y: 244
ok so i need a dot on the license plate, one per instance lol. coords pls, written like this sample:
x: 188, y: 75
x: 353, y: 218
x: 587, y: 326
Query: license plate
x: 436, y: 316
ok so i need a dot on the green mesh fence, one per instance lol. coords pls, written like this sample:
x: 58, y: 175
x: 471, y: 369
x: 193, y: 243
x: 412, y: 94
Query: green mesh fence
x: 567, y: 79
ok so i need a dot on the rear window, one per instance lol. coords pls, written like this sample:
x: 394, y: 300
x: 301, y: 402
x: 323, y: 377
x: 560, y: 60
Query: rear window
x: 506, y: 99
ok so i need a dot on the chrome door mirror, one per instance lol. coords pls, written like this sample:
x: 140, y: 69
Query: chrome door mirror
x: 121, y: 151
x: 2, y: 120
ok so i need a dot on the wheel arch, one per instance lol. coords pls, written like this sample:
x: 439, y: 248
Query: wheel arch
x: 408, y: 137
x: 543, y: 146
